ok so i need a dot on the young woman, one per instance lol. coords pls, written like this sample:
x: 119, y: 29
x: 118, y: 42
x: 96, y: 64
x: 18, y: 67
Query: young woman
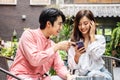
x: 87, y: 60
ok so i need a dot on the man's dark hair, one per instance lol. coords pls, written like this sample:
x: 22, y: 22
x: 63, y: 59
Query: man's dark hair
x: 51, y: 15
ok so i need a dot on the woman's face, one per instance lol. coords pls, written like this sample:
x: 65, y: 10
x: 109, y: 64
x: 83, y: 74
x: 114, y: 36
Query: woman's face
x: 84, y: 25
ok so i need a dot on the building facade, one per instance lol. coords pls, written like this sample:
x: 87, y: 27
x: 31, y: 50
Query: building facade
x: 20, y: 14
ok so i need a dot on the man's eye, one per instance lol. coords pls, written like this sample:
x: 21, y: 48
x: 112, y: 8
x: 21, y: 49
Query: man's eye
x: 60, y: 24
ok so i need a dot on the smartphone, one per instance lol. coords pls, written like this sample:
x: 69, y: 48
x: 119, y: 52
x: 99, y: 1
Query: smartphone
x: 80, y: 44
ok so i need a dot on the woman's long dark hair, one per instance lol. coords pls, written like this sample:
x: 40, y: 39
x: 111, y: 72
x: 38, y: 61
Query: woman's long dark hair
x: 76, y: 34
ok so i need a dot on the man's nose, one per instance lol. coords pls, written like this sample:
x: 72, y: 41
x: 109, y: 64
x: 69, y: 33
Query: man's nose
x: 61, y: 27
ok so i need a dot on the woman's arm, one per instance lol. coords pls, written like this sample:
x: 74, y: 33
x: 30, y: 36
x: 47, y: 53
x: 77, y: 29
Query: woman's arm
x: 97, y: 48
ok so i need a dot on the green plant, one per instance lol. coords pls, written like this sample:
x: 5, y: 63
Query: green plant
x: 11, y: 46
x: 113, y: 47
x: 108, y: 50
x: 115, y: 41
x: 9, y: 51
x: 115, y: 36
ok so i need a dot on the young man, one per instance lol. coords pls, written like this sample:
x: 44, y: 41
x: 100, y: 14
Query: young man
x: 36, y: 53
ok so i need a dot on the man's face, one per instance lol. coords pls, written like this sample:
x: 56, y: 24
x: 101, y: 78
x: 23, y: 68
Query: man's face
x: 57, y: 26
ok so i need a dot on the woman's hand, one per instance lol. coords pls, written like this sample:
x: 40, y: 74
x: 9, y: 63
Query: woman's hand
x: 92, y: 31
x: 78, y: 53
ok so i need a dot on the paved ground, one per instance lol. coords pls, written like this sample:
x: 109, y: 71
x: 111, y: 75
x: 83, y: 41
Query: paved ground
x: 116, y: 73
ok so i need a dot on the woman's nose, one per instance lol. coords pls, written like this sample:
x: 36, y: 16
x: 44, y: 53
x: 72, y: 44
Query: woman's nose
x: 82, y: 26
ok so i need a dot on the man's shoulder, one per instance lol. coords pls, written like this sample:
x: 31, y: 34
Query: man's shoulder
x: 30, y: 31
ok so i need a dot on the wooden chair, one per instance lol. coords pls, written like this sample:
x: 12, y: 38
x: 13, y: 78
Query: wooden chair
x: 109, y: 63
x: 4, y: 69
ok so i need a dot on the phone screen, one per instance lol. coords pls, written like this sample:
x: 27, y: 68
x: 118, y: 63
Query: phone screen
x: 80, y: 44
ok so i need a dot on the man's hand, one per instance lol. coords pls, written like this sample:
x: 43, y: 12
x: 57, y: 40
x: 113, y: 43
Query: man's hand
x: 71, y: 77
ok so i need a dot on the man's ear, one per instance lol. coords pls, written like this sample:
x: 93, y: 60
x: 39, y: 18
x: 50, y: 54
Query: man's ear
x: 48, y: 24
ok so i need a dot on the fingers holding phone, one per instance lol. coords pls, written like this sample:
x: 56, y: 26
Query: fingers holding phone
x: 79, y: 50
x: 79, y: 47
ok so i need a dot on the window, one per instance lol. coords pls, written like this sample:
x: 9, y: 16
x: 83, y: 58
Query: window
x: 40, y: 2
x: 108, y: 31
x: 99, y: 31
x: 8, y: 2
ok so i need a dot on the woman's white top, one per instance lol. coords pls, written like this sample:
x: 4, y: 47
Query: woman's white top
x: 89, y: 60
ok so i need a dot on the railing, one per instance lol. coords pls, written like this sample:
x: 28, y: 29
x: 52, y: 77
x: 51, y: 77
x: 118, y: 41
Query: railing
x: 10, y: 74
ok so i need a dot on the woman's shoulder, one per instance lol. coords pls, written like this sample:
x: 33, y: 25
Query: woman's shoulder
x: 99, y: 36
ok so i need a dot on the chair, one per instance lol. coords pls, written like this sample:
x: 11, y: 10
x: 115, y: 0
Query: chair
x: 4, y: 69
x: 109, y: 63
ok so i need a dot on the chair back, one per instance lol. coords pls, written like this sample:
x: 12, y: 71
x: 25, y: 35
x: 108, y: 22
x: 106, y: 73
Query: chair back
x: 4, y: 65
x: 4, y: 69
x: 109, y: 65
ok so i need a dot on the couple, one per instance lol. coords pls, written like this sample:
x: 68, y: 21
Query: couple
x: 36, y: 53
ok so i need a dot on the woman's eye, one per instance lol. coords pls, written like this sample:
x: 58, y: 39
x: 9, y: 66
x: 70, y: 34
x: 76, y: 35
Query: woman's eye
x: 85, y: 23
